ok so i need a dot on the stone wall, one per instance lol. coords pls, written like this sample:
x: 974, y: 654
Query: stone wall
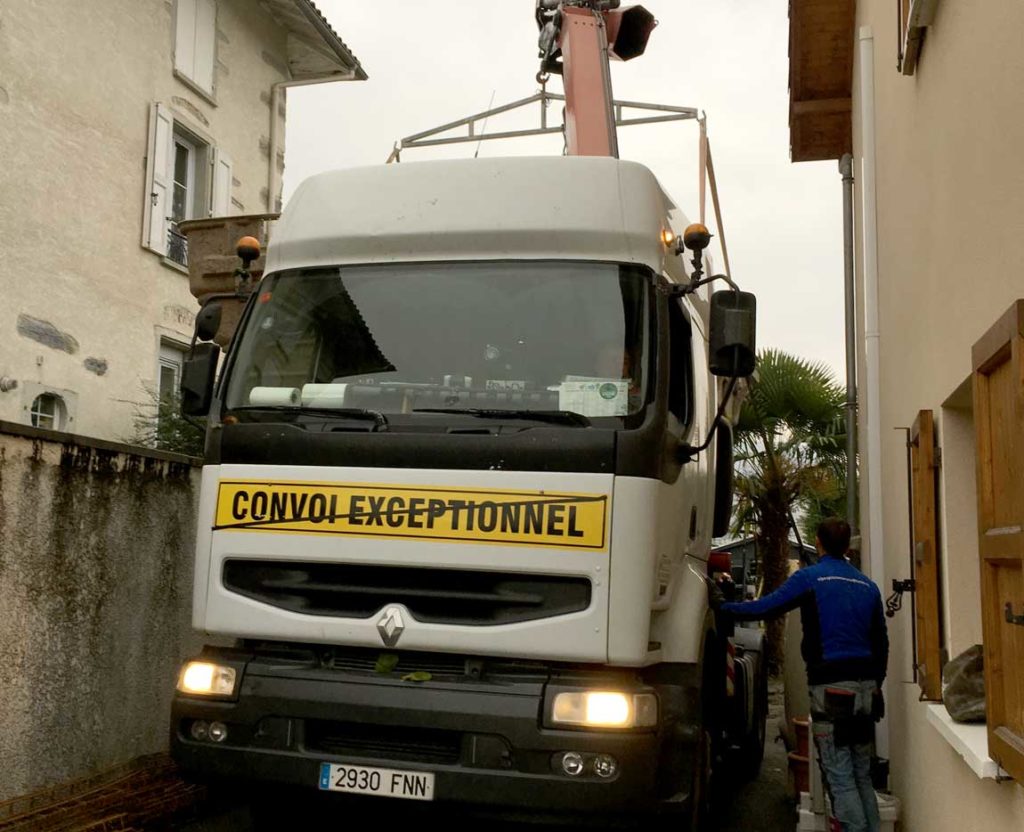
x: 96, y: 552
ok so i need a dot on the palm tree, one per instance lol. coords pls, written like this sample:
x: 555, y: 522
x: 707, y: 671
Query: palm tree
x: 790, y: 460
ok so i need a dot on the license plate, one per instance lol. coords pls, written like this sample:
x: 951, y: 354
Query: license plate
x: 381, y: 782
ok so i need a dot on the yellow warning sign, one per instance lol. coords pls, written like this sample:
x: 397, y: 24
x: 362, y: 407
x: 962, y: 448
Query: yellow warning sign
x: 525, y: 518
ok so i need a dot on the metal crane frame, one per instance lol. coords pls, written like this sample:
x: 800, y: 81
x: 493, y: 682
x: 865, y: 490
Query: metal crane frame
x: 668, y: 113
x: 429, y: 138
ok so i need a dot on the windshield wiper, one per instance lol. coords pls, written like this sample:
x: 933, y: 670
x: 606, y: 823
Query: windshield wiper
x: 559, y: 417
x: 338, y: 412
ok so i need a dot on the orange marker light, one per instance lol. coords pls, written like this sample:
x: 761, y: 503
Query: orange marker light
x: 248, y: 248
x: 668, y: 237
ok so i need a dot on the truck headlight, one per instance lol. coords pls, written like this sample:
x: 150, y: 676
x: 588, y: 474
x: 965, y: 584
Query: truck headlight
x: 605, y: 709
x: 207, y: 679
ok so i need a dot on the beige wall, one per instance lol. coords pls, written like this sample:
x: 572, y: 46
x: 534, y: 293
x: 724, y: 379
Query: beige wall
x: 76, y: 83
x: 950, y: 202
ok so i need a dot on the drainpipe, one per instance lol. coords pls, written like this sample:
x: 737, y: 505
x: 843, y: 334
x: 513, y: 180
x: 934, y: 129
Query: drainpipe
x: 872, y: 333
x: 276, y: 90
x: 846, y: 169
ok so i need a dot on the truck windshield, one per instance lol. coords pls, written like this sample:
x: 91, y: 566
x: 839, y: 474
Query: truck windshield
x: 472, y: 337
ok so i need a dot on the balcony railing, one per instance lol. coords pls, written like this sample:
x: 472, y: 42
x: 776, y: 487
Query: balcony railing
x: 177, y: 247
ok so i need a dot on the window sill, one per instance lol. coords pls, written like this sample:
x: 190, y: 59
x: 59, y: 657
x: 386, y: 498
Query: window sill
x: 172, y: 265
x: 969, y: 741
x: 208, y: 97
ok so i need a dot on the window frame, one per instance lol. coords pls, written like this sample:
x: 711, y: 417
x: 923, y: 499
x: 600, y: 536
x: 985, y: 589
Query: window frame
x: 647, y: 336
x: 166, y: 361
x: 210, y: 181
x: 192, y: 163
x: 58, y: 417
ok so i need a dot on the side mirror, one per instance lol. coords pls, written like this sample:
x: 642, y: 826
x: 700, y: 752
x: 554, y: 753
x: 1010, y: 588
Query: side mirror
x: 732, y: 338
x: 197, y: 376
x: 208, y: 321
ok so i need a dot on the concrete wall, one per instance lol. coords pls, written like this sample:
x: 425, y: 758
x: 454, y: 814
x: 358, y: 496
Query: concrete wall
x: 76, y: 84
x: 950, y: 202
x: 96, y: 553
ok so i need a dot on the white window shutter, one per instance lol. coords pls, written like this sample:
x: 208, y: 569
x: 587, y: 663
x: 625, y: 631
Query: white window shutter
x: 206, y: 43
x: 221, y: 202
x: 185, y: 37
x: 159, y: 167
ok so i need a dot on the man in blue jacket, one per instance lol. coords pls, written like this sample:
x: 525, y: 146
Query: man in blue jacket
x: 846, y: 649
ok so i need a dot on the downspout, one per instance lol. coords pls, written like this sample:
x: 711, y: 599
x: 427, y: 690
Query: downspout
x: 276, y: 90
x: 872, y: 333
x: 846, y: 169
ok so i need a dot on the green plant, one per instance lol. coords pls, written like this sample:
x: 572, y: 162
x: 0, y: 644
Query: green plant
x: 790, y: 461
x: 160, y: 424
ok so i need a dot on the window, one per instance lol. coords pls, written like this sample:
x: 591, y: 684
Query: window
x: 195, y: 42
x: 958, y: 530
x: 680, y: 392
x: 182, y: 203
x: 492, y: 336
x: 998, y: 362
x: 186, y: 178
x: 48, y: 412
x: 172, y: 359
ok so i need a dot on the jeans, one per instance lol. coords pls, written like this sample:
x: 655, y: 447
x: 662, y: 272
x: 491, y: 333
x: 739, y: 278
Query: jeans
x: 843, y: 730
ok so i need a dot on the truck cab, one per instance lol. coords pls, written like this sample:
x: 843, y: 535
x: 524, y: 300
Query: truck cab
x: 457, y: 501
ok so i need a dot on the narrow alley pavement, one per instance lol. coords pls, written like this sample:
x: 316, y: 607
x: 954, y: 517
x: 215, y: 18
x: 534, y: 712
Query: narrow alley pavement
x: 762, y: 804
x: 758, y: 805
x: 154, y: 799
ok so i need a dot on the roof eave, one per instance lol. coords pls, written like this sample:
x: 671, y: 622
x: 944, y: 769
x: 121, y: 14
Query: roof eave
x: 820, y: 78
x: 330, y: 37
x: 315, y: 51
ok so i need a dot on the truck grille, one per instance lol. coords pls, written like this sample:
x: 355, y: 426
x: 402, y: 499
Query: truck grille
x: 368, y: 661
x: 384, y: 742
x: 434, y: 596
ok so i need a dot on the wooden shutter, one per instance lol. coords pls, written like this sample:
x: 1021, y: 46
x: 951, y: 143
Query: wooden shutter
x: 195, y: 41
x: 221, y: 193
x: 206, y: 44
x: 915, y: 16
x: 185, y: 37
x: 159, y: 168
x: 927, y: 596
x: 998, y: 360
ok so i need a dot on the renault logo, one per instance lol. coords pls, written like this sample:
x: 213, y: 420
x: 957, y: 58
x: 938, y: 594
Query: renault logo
x: 391, y: 626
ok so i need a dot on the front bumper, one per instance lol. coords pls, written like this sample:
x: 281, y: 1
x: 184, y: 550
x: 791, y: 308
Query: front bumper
x: 483, y: 738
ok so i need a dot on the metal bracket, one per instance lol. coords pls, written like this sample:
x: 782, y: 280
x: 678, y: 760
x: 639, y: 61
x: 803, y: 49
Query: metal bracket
x: 681, y: 289
x: 894, y: 603
x: 1011, y: 618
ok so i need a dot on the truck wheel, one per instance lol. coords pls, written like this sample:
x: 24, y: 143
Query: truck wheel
x: 751, y: 747
x: 700, y: 805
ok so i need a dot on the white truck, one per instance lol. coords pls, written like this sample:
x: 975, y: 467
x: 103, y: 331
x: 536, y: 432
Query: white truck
x: 462, y: 475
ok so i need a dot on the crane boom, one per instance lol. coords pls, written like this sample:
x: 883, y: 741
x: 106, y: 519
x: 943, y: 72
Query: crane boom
x: 586, y: 35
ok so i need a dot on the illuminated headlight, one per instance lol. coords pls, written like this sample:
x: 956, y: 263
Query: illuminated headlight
x: 207, y: 679
x: 605, y: 709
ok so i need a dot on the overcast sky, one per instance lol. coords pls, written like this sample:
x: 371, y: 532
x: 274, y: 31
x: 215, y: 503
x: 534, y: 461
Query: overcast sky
x: 431, y: 63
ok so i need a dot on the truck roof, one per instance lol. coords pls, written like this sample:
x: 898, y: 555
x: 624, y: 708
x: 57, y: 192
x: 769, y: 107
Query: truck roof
x: 551, y: 207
